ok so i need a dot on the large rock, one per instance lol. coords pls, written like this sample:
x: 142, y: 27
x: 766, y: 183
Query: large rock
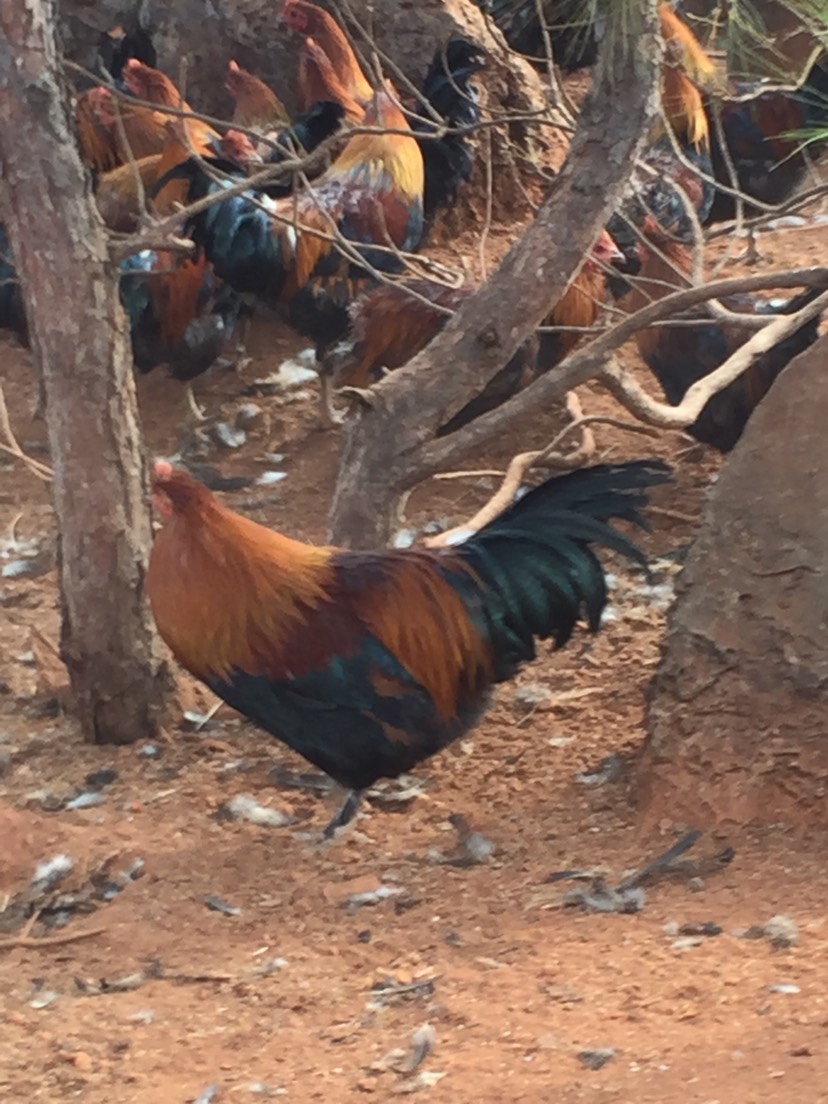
x: 738, y: 713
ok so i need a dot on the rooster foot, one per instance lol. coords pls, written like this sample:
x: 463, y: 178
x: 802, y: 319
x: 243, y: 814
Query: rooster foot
x: 197, y: 411
x: 345, y: 815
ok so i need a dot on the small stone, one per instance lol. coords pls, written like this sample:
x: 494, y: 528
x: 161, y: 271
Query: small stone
x: 247, y: 415
x: 218, y: 904
x: 270, y: 478
x: 97, y: 780
x: 245, y: 807
x: 82, y: 1061
x: 225, y: 435
x: 784, y: 987
x: 596, y: 1058
x: 532, y: 694
x: 671, y: 929
x: 149, y: 751
x: 86, y: 801
x: 782, y: 931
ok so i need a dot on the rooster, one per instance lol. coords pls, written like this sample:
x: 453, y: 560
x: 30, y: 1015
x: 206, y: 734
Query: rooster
x: 769, y: 137
x: 389, y: 326
x: 313, y: 23
x: 368, y: 663
x: 179, y: 315
x: 448, y: 94
x: 371, y: 194
x: 679, y: 356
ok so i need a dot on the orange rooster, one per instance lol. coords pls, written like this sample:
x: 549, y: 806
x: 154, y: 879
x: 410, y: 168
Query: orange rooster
x: 389, y: 326
x: 257, y: 106
x: 686, y: 66
x: 371, y: 194
x: 314, y: 23
x: 367, y: 663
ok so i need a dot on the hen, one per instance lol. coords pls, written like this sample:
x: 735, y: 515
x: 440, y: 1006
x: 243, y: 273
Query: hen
x: 679, y: 355
x: 367, y: 663
x: 313, y: 23
x: 389, y: 326
x: 257, y: 107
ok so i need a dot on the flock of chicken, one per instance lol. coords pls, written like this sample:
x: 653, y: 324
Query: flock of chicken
x: 368, y: 663
x: 321, y: 250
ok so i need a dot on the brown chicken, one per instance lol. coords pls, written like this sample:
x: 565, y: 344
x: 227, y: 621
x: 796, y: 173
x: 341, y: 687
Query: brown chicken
x: 118, y: 195
x: 182, y: 136
x: 257, y: 106
x: 314, y: 23
x: 368, y: 663
x: 389, y: 326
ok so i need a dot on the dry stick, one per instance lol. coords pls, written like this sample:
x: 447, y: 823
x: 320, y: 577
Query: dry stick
x: 47, y: 940
x: 521, y: 464
x: 487, y: 218
x: 42, y: 471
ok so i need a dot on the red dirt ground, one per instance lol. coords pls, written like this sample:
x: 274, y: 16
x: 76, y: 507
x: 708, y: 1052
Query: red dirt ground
x: 299, y: 995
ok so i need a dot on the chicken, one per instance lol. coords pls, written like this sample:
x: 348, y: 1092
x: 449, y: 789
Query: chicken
x: 314, y: 23
x: 573, y: 33
x: 664, y: 178
x: 325, y: 83
x: 448, y: 93
x: 389, y: 326
x: 679, y: 355
x: 118, y: 45
x: 372, y: 194
x: 257, y: 106
x: 99, y: 143
x: 180, y: 315
x: 182, y: 136
x: 770, y: 137
x: 367, y: 663
x: 118, y: 196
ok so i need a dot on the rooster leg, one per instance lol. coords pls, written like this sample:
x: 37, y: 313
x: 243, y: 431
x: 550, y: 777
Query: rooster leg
x: 196, y: 410
x: 345, y: 815
x: 331, y: 415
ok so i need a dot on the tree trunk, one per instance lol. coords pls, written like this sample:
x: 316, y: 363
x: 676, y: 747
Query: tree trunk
x: 385, y: 446
x: 82, y: 350
x: 737, y: 728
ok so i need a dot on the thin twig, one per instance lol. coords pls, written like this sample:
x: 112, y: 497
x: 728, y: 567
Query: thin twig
x: 48, y: 940
x: 42, y: 471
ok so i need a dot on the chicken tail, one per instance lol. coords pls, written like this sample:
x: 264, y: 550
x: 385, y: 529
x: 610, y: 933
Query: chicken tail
x: 537, y: 562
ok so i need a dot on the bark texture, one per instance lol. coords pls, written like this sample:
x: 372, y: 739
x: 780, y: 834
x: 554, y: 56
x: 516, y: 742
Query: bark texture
x: 81, y: 347
x: 738, y: 708
x: 387, y: 446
